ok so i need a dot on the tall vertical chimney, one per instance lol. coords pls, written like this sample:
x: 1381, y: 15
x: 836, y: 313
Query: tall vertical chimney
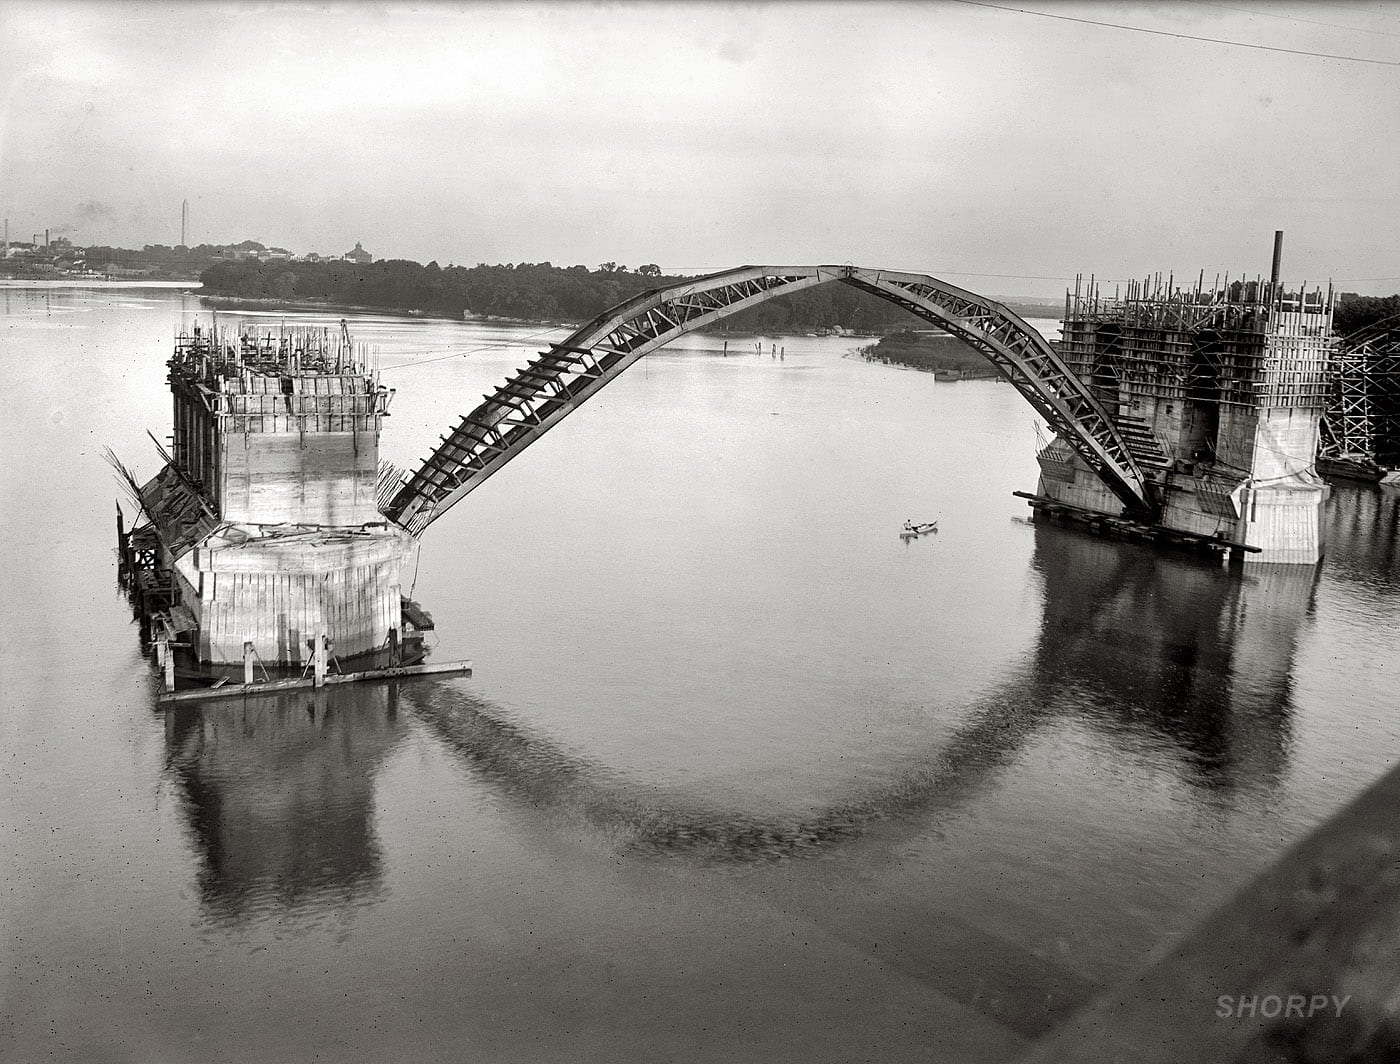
x: 1278, y: 257
x: 184, y: 222
x: 46, y: 238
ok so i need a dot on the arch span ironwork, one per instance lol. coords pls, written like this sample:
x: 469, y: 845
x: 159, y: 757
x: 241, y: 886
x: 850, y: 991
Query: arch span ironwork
x: 572, y: 371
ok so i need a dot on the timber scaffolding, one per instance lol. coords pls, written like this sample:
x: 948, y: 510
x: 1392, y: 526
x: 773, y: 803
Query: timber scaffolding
x: 1239, y: 343
x: 279, y: 351
x: 1361, y: 428
x: 276, y: 381
x: 1217, y: 388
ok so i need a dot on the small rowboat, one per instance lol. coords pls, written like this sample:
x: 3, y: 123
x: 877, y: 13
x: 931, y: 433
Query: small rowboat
x: 913, y: 531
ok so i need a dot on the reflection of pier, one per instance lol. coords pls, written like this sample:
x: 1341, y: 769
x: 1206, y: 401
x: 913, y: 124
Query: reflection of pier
x: 1323, y: 915
x: 1168, y: 650
x: 1363, y: 530
x: 280, y: 796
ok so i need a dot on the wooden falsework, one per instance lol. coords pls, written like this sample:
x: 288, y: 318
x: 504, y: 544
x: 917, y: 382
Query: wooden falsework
x: 540, y: 395
x: 1362, y: 423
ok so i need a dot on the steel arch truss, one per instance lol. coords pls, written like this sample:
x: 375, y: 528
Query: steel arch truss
x: 569, y: 373
x: 1026, y: 359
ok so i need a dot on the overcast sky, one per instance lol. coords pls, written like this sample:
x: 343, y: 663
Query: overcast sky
x: 945, y: 137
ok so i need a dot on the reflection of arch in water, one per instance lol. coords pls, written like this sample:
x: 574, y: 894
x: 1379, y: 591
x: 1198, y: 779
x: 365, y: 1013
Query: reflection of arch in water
x: 279, y: 792
x: 649, y: 820
x: 1165, y: 655
x: 1154, y: 653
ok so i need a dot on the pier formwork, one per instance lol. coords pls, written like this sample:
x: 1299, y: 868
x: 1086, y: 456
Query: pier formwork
x: 1219, y: 393
x: 266, y: 514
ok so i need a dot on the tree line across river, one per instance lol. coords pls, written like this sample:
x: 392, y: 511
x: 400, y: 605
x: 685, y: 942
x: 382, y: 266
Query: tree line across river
x: 545, y: 292
x: 537, y: 292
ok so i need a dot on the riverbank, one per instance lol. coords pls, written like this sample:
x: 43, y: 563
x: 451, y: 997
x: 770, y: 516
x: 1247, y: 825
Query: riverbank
x: 541, y: 293
x: 220, y: 301
x: 92, y: 283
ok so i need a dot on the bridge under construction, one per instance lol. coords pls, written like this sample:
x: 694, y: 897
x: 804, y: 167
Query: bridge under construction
x: 274, y: 532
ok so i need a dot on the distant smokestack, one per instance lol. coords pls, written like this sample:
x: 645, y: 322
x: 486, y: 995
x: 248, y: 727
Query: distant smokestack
x: 46, y: 238
x: 1278, y: 258
x: 184, y: 222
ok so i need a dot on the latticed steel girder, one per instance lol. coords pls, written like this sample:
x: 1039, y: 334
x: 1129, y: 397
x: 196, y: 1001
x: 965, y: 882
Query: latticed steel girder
x: 569, y: 373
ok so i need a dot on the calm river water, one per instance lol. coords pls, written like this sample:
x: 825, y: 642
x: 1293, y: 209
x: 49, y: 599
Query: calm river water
x: 740, y: 776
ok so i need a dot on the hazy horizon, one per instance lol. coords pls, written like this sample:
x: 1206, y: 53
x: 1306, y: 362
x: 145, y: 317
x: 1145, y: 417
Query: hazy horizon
x: 1000, y: 149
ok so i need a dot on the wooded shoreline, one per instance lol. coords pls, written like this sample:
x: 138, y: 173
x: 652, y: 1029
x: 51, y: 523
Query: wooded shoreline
x: 538, y: 293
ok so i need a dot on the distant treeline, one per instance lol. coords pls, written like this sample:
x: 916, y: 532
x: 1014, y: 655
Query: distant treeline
x: 531, y: 291
x: 1354, y: 313
x: 199, y: 255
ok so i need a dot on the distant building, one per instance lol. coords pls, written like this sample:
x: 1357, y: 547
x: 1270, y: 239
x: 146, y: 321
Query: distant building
x: 358, y: 254
x: 277, y: 253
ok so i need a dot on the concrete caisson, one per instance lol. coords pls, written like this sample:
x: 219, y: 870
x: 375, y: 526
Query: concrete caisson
x: 266, y: 512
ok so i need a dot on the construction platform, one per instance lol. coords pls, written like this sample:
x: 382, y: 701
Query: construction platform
x: 1102, y: 524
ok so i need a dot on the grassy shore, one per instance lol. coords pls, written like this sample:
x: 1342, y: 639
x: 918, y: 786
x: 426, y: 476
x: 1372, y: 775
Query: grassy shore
x: 945, y: 356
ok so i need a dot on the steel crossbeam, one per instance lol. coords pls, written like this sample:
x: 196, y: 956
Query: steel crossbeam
x: 569, y: 373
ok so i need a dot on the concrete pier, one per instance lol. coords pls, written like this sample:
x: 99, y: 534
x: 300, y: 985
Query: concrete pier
x: 1219, y: 394
x: 266, y: 512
